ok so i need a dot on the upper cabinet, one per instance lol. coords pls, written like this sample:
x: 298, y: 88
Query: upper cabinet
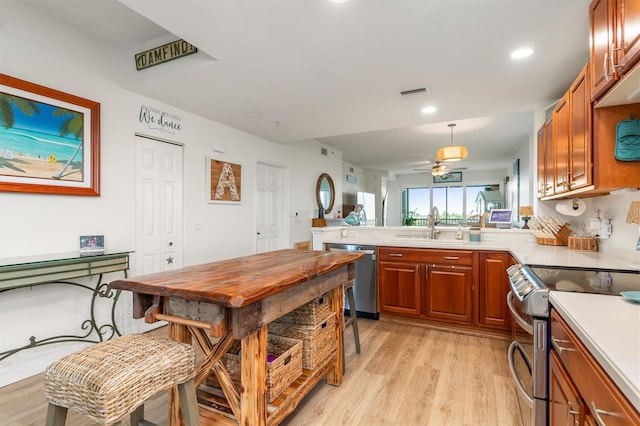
x: 576, y: 158
x: 615, y: 43
x: 602, y: 43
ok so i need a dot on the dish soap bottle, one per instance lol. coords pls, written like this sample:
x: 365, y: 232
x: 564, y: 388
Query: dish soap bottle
x: 459, y: 234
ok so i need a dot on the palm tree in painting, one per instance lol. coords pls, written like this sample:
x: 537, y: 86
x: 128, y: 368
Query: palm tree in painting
x: 7, y: 118
x: 72, y: 125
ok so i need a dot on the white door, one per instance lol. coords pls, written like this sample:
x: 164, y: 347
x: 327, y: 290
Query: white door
x: 159, y: 227
x: 269, y: 227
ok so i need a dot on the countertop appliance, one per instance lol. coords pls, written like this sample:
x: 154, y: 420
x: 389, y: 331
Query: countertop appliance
x: 365, y: 288
x: 528, y: 302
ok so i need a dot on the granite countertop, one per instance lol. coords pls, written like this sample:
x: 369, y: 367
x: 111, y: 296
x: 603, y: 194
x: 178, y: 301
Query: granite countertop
x: 612, y: 335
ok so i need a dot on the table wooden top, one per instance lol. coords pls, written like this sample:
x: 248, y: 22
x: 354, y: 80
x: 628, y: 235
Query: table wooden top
x: 241, y: 281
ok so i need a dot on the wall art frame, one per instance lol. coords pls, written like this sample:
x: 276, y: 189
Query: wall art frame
x: 223, y: 181
x: 49, y: 140
x: 448, y: 177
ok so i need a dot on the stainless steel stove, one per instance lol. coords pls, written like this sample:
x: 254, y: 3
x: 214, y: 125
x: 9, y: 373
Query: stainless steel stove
x: 528, y: 301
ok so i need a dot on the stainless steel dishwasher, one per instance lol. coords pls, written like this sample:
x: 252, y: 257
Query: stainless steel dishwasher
x: 365, y: 288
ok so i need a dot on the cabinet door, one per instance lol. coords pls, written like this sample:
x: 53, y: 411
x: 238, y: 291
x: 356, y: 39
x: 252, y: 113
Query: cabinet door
x: 580, y: 159
x: 549, y: 174
x: 601, y: 20
x: 399, y: 287
x: 448, y: 291
x: 561, y: 119
x: 628, y: 20
x: 565, y: 405
x: 540, y: 156
x: 493, y: 286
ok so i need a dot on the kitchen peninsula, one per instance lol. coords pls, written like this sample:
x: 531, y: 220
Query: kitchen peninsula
x: 607, y: 325
x: 235, y: 300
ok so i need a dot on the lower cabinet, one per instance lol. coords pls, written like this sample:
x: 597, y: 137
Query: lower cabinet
x: 565, y: 405
x: 493, y: 287
x: 399, y: 289
x: 448, y: 290
x: 426, y: 283
x: 580, y: 389
x: 458, y: 286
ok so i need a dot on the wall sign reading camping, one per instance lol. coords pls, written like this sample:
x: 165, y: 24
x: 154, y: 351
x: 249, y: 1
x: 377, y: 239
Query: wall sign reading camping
x: 49, y: 140
x: 224, y: 182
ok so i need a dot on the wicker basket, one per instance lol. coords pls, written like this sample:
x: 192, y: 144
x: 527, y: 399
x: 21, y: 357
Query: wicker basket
x: 313, y: 313
x: 281, y: 372
x: 583, y: 243
x: 318, y: 341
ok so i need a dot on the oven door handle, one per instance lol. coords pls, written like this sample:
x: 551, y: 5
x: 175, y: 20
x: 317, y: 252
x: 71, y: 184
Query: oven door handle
x: 516, y: 316
x: 513, y: 347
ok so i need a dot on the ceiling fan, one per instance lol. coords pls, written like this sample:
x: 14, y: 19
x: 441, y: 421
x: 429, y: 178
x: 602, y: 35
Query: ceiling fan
x: 441, y: 169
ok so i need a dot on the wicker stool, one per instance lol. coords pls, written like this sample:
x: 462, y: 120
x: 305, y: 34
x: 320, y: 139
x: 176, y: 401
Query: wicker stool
x: 353, y: 318
x: 112, y: 379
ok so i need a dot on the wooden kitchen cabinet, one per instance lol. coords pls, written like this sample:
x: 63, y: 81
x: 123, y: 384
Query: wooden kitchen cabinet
x: 448, y: 293
x: 614, y: 42
x: 426, y: 283
x: 565, y: 405
x: 493, y: 286
x: 580, y: 154
x: 598, y: 394
x: 561, y: 135
x: 545, y: 158
x: 570, y: 143
x: 628, y: 33
x: 399, y: 288
x: 602, y: 39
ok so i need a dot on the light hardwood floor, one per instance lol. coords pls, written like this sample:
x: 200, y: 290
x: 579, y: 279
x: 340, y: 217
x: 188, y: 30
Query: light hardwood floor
x: 405, y: 375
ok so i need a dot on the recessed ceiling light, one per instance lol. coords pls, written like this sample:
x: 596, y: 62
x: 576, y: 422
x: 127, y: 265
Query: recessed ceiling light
x: 429, y: 109
x: 338, y: 1
x: 521, y: 53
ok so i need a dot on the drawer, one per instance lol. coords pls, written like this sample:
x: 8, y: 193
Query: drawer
x: 439, y: 257
x: 595, y: 386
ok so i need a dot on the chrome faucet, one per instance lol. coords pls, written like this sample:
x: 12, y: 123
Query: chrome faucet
x: 434, y: 219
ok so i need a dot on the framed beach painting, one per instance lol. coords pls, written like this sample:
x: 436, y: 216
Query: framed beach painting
x: 49, y: 140
x: 224, y: 181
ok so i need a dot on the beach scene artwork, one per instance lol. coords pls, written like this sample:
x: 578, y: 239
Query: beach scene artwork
x: 40, y: 141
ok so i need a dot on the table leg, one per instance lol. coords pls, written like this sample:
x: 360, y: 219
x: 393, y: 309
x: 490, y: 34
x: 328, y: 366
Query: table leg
x: 253, y: 394
x: 179, y: 333
x: 335, y: 374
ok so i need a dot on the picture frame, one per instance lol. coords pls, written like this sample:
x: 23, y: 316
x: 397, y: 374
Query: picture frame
x: 224, y: 181
x: 49, y: 140
x: 448, y: 177
x: 91, y: 244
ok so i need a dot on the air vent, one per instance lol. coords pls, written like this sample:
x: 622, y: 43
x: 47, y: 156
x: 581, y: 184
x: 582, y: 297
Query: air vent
x: 414, y: 92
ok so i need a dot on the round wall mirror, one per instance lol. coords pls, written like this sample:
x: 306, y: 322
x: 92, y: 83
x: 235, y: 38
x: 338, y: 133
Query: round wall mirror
x: 325, y: 192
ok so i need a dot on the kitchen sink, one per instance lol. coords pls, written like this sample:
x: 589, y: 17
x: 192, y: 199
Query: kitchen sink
x: 427, y: 241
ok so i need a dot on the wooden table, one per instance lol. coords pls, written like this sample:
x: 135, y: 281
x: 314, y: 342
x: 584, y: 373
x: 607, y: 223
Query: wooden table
x: 235, y: 300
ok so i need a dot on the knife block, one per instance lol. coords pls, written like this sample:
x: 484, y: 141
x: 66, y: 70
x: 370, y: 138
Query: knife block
x: 561, y: 238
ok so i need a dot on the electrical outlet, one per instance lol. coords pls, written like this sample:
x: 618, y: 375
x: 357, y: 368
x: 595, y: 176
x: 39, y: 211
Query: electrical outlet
x: 489, y: 237
x: 197, y: 226
x: 353, y: 234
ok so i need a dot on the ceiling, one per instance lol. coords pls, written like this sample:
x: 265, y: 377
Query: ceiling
x: 294, y: 70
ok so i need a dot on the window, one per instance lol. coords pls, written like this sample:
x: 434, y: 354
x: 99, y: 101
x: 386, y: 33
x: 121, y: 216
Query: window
x: 456, y: 204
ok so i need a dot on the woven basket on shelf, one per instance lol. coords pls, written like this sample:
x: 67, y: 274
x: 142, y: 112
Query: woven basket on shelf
x: 312, y: 313
x: 318, y: 341
x: 281, y: 372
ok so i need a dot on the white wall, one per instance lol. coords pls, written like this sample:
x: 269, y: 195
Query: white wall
x: 40, y: 51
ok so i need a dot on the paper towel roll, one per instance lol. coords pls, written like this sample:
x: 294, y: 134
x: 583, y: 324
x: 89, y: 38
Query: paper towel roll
x: 571, y: 207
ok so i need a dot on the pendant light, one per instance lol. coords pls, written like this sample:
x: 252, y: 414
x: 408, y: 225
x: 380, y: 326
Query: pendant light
x: 452, y: 152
